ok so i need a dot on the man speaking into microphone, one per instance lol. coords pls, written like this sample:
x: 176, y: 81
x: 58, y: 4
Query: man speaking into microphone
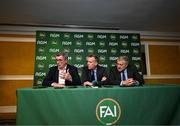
x: 63, y: 74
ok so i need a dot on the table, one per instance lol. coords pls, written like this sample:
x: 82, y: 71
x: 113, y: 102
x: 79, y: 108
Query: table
x: 149, y: 104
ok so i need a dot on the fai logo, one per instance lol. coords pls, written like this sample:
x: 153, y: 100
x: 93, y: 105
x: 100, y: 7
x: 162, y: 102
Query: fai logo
x: 54, y: 42
x: 113, y: 51
x: 41, y: 50
x: 39, y: 81
x: 90, y: 36
x: 78, y: 43
x: 41, y: 66
x: 90, y: 50
x: 78, y: 58
x: 124, y: 44
x: 108, y: 111
x: 134, y: 37
x: 67, y: 50
x: 42, y: 35
x: 102, y: 58
x: 113, y: 37
x: 102, y: 44
x: 66, y: 35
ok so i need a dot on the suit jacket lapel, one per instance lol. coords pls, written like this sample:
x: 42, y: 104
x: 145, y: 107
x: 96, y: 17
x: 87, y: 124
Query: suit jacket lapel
x: 56, y: 75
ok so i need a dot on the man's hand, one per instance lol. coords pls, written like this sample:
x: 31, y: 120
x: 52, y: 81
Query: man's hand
x: 58, y: 85
x: 67, y: 76
x: 103, y: 78
x: 129, y: 82
x: 87, y: 83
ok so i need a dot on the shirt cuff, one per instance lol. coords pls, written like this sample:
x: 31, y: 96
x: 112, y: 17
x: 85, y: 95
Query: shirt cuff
x: 121, y: 84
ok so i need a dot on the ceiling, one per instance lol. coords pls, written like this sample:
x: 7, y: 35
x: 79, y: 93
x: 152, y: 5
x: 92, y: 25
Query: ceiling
x: 139, y: 15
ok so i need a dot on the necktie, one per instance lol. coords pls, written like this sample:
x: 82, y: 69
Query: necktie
x: 123, y: 76
x: 92, y: 75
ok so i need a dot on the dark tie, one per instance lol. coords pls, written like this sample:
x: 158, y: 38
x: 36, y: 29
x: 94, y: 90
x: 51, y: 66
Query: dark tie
x: 92, y: 75
x: 123, y: 76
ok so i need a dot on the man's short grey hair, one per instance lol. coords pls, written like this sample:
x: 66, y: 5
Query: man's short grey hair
x: 65, y: 55
x: 125, y: 58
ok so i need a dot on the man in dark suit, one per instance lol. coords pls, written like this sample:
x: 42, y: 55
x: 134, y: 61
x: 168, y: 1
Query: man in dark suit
x: 124, y: 74
x: 63, y: 74
x: 93, y: 74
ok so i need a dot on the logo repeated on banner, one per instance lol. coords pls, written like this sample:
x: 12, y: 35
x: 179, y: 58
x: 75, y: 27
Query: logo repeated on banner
x: 107, y: 46
x: 108, y: 111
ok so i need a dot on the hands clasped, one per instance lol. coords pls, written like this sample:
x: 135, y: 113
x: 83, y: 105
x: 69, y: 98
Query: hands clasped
x: 129, y: 82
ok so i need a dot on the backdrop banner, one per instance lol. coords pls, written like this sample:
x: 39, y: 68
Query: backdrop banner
x: 78, y: 45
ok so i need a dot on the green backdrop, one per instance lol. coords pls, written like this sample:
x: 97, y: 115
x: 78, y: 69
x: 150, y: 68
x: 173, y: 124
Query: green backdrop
x: 107, y: 46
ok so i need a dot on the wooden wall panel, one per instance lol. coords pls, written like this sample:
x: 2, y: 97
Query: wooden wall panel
x: 164, y: 59
x: 162, y: 81
x: 8, y: 90
x: 17, y: 58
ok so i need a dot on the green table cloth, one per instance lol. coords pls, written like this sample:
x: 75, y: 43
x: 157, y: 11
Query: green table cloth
x: 149, y: 105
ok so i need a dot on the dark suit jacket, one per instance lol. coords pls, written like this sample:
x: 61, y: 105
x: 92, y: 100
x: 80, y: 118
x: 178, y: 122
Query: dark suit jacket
x: 101, y: 72
x: 114, y: 75
x: 53, y: 75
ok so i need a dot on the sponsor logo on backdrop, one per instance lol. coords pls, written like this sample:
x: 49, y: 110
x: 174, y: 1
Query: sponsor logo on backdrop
x: 78, y: 50
x: 78, y: 58
x: 67, y: 35
x: 54, y: 35
x: 123, y: 36
x: 79, y: 65
x: 66, y: 50
x: 102, y: 50
x: 103, y: 65
x: 113, y: 51
x: 53, y: 50
x: 41, y: 50
x: 90, y: 36
x: 66, y: 43
x: 102, y: 58
x: 52, y: 65
x: 80, y: 72
x: 136, y: 58
x: 108, y: 111
x: 113, y: 64
x: 102, y: 44
x: 134, y: 37
x: 90, y: 43
x: 135, y: 44
x: 90, y: 50
x: 41, y: 66
x: 124, y: 51
x: 41, y: 42
x: 39, y: 81
x: 40, y: 74
x: 137, y: 65
x: 113, y: 37
x: 54, y: 42
x: 41, y: 58
x: 101, y: 36
x: 42, y: 35
x: 79, y: 36
x: 78, y: 43
x: 113, y: 43
x: 53, y: 57
x: 69, y: 58
x: 124, y: 44
x: 113, y: 58
x: 136, y: 51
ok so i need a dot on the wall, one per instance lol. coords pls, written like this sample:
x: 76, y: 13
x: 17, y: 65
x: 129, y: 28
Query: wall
x: 17, y: 53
